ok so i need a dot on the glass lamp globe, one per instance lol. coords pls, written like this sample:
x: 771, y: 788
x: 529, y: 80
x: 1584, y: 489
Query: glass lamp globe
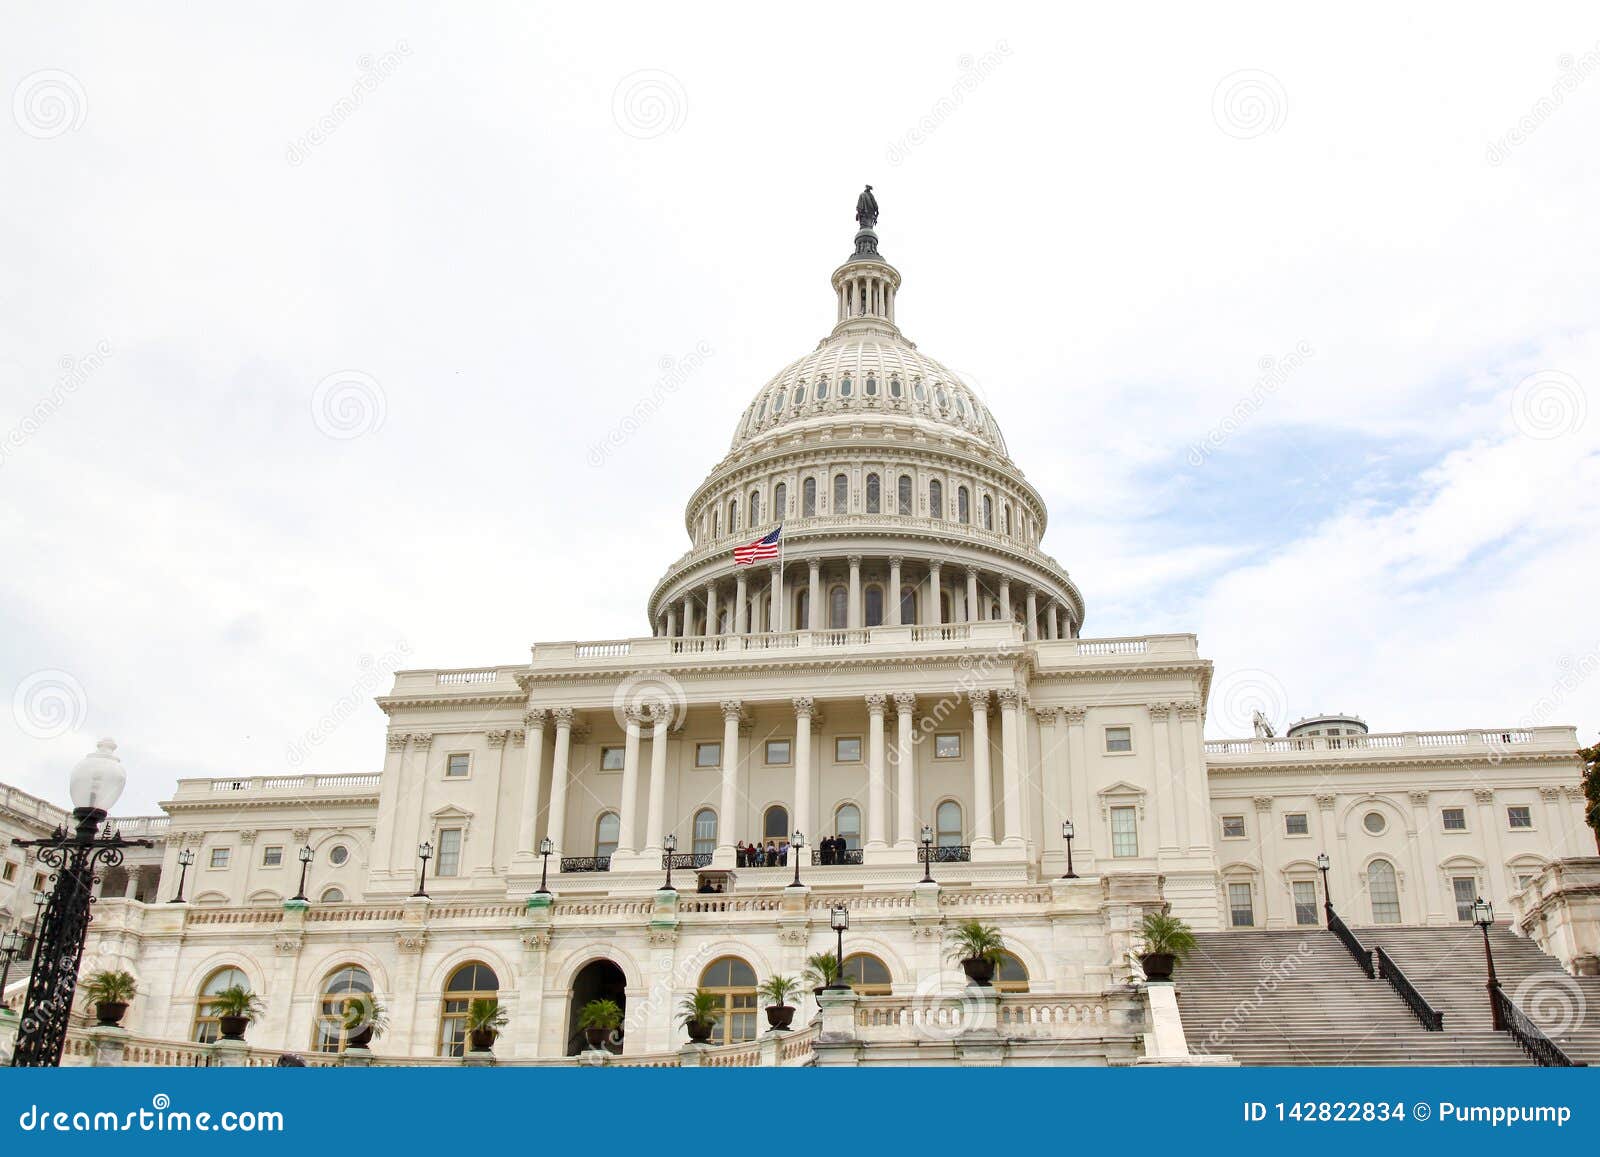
x: 99, y: 778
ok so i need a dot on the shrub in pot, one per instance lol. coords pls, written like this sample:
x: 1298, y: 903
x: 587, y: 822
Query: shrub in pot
x: 776, y: 991
x: 699, y: 1012
x: 599, y: 1020
x: 485, y: 1019
x: 364, y: 1019
x: 822, y: 970
x: 110, y: 993
x: 235, y: 1007
x: 979, y: 947
x: 1167, y: 940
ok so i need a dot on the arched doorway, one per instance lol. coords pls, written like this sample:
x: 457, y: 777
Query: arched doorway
x: 597, y: 980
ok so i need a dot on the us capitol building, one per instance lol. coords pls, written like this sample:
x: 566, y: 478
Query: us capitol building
x: 911, y: 679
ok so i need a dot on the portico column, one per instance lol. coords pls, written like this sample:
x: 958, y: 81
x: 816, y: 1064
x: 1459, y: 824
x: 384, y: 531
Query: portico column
x: 1167, y: 798
x: 935, y: 615
x: 533, y: 741
x: 1194, y: 826
x: 672, y: 621
x: 982, y: 783
x: 815, y: 619
x: 661, y: 716
x: 877, y: 791
x: 1005, y: 598
x: 1051, y: 622
x: 775, y: 606
x: 803, y: 707
x: 1011, y: 768
x: 727, y: 818
x: 1427, y: 860
x: 688, y: 615
x: 1271, y: 869
x: 741, y: 593
x: 1078, y: 780
x: 905, y: 833
x: 627, y: 814
x: 972, y: 594
x: 894, y: 590
x: 712, y: 627
x: 557, y: 825
x: 1033, y: 615
x: 853, y: 619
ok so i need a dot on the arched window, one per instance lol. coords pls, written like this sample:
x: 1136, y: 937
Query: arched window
x: 705, y: 832
x: 716, y: 523
x: 1384, y: 892
x: 802, y: 610
x: 1005, y: 527
x: 941, y: 398
x: 919, y: 391
x: 822, y: 389
x: 988, y: 513
x: 846, y: 386
x: 945, y: 615
x: 838, y: 608
x: 333, y: 896
x: 778, y: 400
x: 872, y: 386
x: 341, y: 986
x: 865, y: 973
x: 874, y: 596
x: 841, y: 493
x: 775, y: 824
x: 606, y: 829
x: 894, y: 387
x: 908, y: 605
x: 734, y: 984
x: 847, y: 823
x: 755, y: 509
x: 470, y: 982
x: 963, y: 505
x: 780, y: 501
x: 205, y: 1018
x: 808, y: 498
x: 935, y: 499
x: 874, y: 494
x: 800, y: 394
x: 903, y: 493
x: 733, y: 515
x: 947, y: 823
x: 1011, y: 976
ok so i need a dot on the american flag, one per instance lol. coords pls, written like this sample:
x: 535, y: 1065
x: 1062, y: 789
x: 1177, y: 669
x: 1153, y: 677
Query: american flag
x: 761, y: 548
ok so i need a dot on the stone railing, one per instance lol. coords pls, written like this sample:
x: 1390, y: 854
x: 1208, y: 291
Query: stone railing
x: 1495, y: 742
x: 32, y: 807
x: 991, y: 634
x: 363, y: 783
x: 1017, y: 1015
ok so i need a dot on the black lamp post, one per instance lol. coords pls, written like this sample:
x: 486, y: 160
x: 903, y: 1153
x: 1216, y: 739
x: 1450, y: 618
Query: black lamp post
x: 547, y: 848
x: 305, y: 862
x: 185, y: 858
x: 839, y: 920
x: 797, y: 844
x: 1483, y: 916
x: 424, y: 853
x: 10, y: 946
x: 96, y: 783
x: 1067, y: 832
x: 669, y: 845
x: 1323, y: 863
x: 927, y: 855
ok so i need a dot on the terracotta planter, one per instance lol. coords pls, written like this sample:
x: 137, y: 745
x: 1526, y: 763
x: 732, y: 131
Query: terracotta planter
x: 360, y: 1039
x: 109, y: 1013
x: 1158, y: 965
x: 597, y: 1037
x: 232, y: 1027
x: 779, y: 1015
x: 979, y: 970
x: 699, y: 1030
x: 481, y: 1039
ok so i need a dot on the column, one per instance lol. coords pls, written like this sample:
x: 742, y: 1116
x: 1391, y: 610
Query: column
x: 982, y: 783
x: 905, y: 785
x: 711, y: 609
x: 532, y: 769
x: 801, y: 820
x: 727, y: 811
x: 775, y: 606
x: 1488, y: 824
x: 688, y: 615
x: 1426, y: 859
x: 1078, y: 782
x: 1325, y: 803
x: 741, y: 593
x: 1010, y: 768
x: 1032, y: 631
x: 1052, y: 768
x: 1005, y: 598
x: 627, y: 814
x: 1166, y: 799
x: 935, y: 615
x: 894, y: 590
x: 1051, y: 622
x: 557, y: 824
x: 877, y: 792
x: 816, y: 619
x: 1194, y: 823
x: 853, y: 619
x: 672, y: 621
x: 661, y: 715
x: 1271, y: 869
x: 972, y: 594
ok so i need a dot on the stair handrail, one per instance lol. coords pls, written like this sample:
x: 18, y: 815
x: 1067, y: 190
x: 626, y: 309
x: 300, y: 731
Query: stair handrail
x: 1348, y: 938
x: 1432, y: 1019
x: 1544, y: 1051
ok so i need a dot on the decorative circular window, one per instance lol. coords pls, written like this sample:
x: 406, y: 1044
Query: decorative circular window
x: 1374, y: 823
x: 338, y: 855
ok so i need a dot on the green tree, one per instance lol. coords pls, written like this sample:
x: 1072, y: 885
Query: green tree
x: 1591, y: 787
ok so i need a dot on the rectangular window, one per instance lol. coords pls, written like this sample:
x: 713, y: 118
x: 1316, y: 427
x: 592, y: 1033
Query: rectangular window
x: 778, y: 753
x: 1124, y: 832
x: 457, y: 764
x: 1519, y: 817
x: 1305, y: 902
x: 1523, y: 882
x: 708, y: 755
x: 611, y: 758
x: 1465, y: 890
x: 38, y: 881
x: 448, y: 862
x: 1241, y: 909
x: 1296, y: 824
x: 220, y: 857
x: 1233, y: 827
x: 847, y: 749
x: 271, y: 857
x: 1454, y: 819
x: 947, y: 746
x: 10, y: 872
x: 1119, y: 739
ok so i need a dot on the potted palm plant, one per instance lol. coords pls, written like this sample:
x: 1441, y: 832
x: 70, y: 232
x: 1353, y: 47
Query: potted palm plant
x: 699, y: 1011
x: 776, y: 991
x: 485, y: 1019
x: 822, y: 970
x: 110, y: 993
x: 599, y: 1020
x: 979, y: 947
x: 364, y: 1019
x: 235, y: 1007
x: 1167, y: 940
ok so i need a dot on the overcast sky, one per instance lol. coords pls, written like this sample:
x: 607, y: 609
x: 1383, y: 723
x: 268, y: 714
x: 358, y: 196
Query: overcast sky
x: 321, y: 326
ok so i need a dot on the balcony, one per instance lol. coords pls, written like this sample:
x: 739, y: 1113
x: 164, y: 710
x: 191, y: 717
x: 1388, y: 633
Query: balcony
x: 286, y: 786
x: 1492, y: 744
